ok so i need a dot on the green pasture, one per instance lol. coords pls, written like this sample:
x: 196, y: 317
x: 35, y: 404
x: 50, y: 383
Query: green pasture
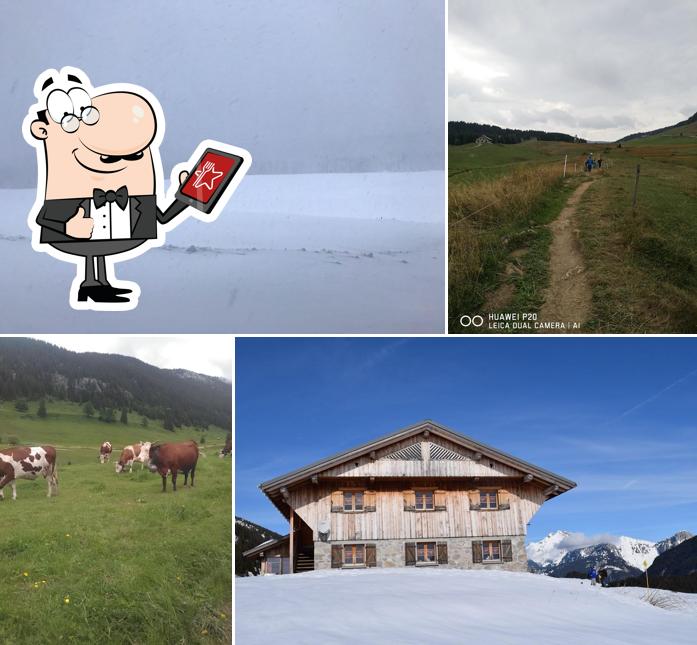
x: 641, y: 262
x: 471, y: 163
x: 111, y: 559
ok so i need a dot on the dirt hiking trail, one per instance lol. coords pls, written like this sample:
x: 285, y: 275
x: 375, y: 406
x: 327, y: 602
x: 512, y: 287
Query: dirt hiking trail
x: 568, y: 297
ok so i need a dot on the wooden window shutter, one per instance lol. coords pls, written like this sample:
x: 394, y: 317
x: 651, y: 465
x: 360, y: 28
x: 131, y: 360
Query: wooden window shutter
x: 337, y: 501
x: 370, y: 555
x: 337, y: 556
x: 504, y: 500
x: 439, y: 500
x: 369, y: 501
x: 506, y: 551
x: 474, y: 500
x: 442, y: 552
x: 409, y: 500
x: 410, y: 554
x: 476, y: 552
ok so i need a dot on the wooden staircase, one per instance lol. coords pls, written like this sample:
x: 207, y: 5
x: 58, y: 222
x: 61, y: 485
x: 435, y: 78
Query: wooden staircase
x: 305, y: 561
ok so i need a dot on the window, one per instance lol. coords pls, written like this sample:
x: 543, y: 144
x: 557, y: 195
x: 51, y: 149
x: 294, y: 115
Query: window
x: 491, y: 551
x: 487, y: 499
x: 423, y: 500
x: 354, y: 554
x: 353, y: 501
x: 425, y: 551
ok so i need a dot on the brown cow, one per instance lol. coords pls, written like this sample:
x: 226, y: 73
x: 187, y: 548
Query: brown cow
x: 23, y: 462
x: 172, y: 458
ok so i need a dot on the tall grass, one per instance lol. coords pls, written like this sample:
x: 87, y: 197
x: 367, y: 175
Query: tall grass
x: 489, y: 219
x: 642, y: 263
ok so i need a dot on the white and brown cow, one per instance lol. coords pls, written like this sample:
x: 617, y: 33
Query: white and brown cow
x: 23, y: 462
x: 137, y: 452
x: 104, y: 452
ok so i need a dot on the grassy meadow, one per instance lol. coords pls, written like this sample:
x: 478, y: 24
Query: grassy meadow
x: 112, y: 559
x: 641, y: 263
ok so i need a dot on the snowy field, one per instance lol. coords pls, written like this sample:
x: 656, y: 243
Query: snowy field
x: 334, y: 253
x: 415, y: 607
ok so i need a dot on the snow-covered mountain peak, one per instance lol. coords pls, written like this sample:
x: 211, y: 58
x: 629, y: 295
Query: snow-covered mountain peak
x: 550, y: 549
x: 560, y: 552
x: 673, y: 541
x: 636, y: 552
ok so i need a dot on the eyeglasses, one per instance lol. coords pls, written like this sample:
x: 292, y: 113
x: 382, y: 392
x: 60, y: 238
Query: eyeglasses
x: 88, y: 115
x: 71, y: 107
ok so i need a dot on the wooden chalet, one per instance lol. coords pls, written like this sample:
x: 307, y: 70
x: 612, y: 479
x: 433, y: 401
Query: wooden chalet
x: 422, y: 496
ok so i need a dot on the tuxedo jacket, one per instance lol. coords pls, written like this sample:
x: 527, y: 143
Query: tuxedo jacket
x: 144, y: 217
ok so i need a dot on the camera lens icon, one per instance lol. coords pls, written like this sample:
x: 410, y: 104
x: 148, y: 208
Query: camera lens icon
x: 473, y: 321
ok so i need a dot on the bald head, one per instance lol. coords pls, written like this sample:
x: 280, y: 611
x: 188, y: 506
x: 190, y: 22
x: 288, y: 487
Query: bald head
x: 112, y: 152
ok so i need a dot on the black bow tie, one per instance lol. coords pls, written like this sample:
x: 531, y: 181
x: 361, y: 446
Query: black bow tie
x: 119, y: 196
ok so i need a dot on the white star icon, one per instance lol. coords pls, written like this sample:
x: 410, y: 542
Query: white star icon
x: 210, y: 171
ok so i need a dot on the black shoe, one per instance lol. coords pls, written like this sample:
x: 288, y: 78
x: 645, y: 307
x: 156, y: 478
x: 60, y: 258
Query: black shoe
x: 116, y: 290
x: 99, y: 294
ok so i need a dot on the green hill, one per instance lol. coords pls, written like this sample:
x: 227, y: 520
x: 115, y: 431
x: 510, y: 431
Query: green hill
x: 683, y: 132
x: 32, y: 369
x: 77, y: 438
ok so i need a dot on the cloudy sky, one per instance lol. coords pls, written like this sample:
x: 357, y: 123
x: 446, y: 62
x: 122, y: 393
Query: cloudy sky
x: 305, y: 86
x: 210, y: 354
x: 601, y: 69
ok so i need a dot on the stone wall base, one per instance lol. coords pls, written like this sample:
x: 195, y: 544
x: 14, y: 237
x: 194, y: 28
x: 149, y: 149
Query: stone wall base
x: 390, y: 553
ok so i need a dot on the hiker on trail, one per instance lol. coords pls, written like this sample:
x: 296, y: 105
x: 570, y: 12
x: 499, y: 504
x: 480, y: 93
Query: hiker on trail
x: 600, y: 163
x: 593, y: 574
x: 589, y: 162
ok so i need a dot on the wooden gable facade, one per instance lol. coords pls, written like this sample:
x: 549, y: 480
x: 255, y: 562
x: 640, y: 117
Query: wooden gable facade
x: 423, y: 496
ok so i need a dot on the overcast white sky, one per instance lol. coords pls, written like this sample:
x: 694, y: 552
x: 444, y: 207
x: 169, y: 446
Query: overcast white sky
x: 601, y: 69
x: 206, y: 354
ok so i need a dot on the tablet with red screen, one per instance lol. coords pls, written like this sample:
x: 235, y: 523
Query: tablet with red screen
x: 209, y: 179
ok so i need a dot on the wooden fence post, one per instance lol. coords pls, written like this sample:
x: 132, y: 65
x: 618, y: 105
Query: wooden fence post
x: 636, y: 185
x: 565, y: 158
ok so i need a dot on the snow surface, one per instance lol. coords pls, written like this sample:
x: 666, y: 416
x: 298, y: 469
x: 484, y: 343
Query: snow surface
x: 322, y: 253
x: 448, y: 606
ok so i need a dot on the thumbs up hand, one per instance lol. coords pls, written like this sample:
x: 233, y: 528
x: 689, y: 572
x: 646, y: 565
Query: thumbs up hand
x: 79, y: 226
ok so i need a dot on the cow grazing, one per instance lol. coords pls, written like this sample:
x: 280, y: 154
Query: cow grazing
x: 104, y: 452
x: 227, y: 448
x: 174, y: 458
x: 137, y: 452
x: 26, y: 463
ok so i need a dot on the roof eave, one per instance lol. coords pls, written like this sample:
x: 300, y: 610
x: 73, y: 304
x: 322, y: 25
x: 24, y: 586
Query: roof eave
x: 274, y: 485
x: 264, y: 546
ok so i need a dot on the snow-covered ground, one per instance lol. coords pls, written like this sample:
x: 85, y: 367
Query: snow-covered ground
x: 447, y: 606
x: 333, y: 253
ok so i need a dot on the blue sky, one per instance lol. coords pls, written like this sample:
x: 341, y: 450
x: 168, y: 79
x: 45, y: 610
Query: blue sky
x: 616, y: 415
